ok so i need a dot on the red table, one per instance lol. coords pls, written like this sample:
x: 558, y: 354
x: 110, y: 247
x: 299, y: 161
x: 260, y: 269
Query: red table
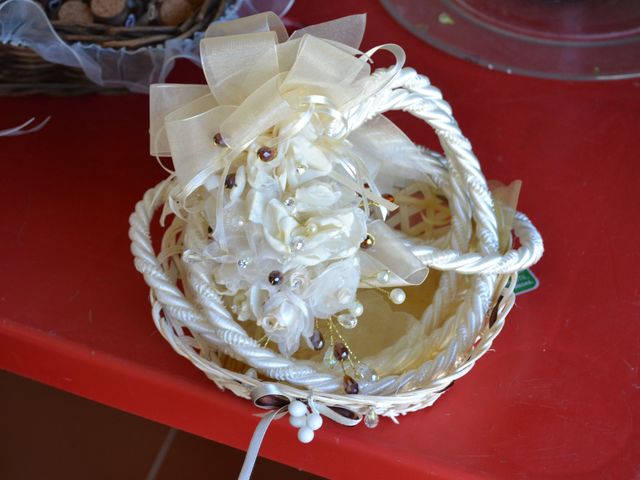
x: 558, y: 398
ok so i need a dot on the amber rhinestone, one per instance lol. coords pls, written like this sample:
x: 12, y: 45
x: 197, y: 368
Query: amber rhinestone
x: 317, y: 340
x: 388, y: 196
x: 368, y: 242
x: 266, y: 154
x: 340, y: 351
x: 275, y: 277
x: 230, y: 181
x: 218, y: 140
x: 350, y: 385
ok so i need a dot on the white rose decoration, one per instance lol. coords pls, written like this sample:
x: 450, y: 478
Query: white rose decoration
x: 327, y: 236
x: 334, y: 289
x: 316, y: 196
x: 285, y: 318
x: 303, y: 161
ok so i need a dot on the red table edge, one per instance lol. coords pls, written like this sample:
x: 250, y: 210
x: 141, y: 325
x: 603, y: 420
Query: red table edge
x: 91, y: 374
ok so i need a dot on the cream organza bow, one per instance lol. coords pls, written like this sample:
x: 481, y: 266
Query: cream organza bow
x: 305, y: 211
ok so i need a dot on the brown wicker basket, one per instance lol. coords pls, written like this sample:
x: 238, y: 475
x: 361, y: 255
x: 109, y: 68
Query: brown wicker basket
x: 25, y: 72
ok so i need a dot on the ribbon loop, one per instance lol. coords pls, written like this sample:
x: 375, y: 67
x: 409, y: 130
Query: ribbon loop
x: 269, y: 396
x: 259, y: 79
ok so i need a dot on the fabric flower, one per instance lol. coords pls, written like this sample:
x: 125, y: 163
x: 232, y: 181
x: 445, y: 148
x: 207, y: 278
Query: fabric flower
x: 285, y: 318
x: 296, y: 212
x: 330, y: 236
x: 335, y: 288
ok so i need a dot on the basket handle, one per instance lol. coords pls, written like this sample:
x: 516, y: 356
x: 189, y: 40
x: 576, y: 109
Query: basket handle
x: 466, y: 187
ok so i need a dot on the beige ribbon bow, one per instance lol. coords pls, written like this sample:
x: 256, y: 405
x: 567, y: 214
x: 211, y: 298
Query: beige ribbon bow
x: 256, y: 78
x: 261, y: 81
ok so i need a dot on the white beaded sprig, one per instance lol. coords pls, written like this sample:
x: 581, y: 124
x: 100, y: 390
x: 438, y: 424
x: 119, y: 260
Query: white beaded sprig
x: 307, y: 422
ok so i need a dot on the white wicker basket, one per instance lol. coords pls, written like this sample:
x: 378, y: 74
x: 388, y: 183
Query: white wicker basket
x: 464, y: 302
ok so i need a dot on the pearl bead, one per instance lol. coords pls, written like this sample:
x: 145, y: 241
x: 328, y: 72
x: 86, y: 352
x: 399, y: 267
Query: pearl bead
x: 297, y: 409
x: 368, y: 242
x: 340, y: 351
x: 350, y: 385
x: 266, y: 154
x: 275, y: 277
x: 329, y: 359
x: 305, y: 435
x: 317, y: 340
x: 357, y: 309
x: 230, y: 181
x: 297, y: 422
x: 384, y: 276
x: 366, y: 373
x: 397, y: 296
x: 371, y: 419
x: 251, y: 373
x: 347, y: 320
x: 218, y: 140
x: 311, y: 229
x: 314, y: 421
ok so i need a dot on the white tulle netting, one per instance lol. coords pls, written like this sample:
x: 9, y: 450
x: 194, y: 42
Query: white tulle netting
x: 24, y: 23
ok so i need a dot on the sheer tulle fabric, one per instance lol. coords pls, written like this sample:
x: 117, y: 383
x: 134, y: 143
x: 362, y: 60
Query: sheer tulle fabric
x: 24, y: 22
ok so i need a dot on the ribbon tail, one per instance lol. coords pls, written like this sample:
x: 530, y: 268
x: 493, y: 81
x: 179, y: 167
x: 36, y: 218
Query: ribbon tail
x: 22, y: 129
x: 256, y: 442
x: 389, y: 253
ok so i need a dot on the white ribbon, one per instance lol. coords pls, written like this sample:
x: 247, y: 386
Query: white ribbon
x: 270, y: 396
x: 256, y: 442
x: 23, y: 130
x: 257, y: 79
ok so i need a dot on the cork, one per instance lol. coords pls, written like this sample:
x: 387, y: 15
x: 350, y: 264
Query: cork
x: 75, y: 12
x: 110, y: 11
x: 174, y: 12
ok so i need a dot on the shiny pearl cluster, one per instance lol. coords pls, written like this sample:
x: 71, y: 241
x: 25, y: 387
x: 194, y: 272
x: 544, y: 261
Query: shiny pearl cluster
x: 306, y: 422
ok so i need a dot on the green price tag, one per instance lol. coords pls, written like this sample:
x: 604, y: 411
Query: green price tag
x: 527, y: 282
